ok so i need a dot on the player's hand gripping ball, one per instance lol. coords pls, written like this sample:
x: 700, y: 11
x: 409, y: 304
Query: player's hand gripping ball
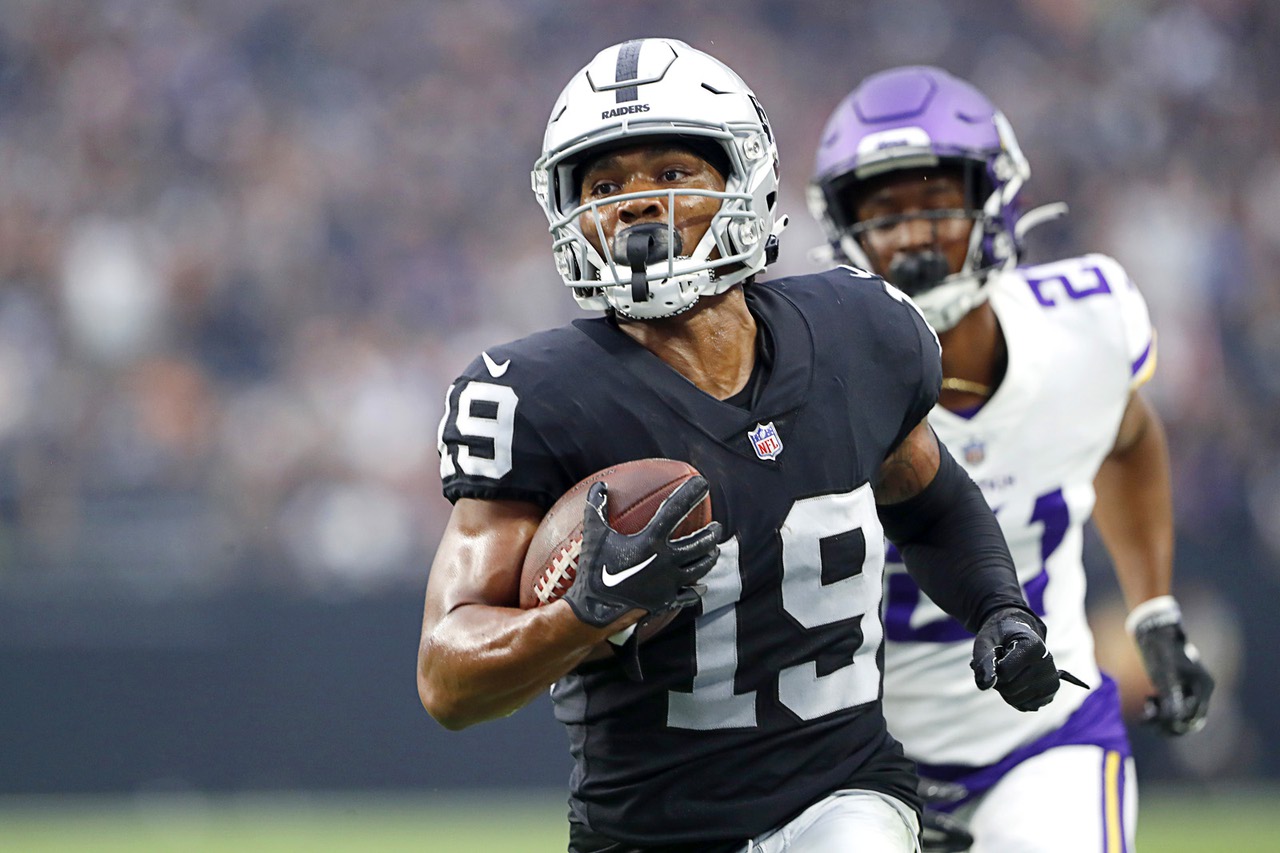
x: 636, y: 536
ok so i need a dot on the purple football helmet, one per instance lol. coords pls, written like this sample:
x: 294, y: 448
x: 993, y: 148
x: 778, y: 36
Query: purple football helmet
x: 921, y: 117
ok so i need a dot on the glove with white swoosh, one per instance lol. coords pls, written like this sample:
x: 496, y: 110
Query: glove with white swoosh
x: 648, y: 570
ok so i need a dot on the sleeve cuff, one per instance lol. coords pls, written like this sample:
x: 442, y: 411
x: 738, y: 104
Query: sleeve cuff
x: 1152, y: 613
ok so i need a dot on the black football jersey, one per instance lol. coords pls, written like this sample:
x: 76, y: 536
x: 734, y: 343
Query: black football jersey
x: 766, y: 697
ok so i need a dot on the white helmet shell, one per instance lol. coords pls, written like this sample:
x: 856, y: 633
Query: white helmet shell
x: 654, y: 89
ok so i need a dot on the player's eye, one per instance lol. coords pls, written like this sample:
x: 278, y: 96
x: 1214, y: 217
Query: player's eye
x: 600, y: 189
x: 673, y: 174
x: 882, y: 223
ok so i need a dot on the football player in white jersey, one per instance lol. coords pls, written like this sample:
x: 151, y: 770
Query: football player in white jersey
x: 917, y: 179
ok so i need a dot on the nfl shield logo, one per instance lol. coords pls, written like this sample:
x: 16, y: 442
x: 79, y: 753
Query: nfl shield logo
x: 765, y: 439
x: 975, y: 451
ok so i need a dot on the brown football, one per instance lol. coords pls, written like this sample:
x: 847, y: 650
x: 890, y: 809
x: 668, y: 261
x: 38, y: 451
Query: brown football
x: 636, y: 490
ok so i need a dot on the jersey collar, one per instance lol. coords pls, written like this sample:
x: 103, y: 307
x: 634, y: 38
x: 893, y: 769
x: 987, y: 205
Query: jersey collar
x: 785, y: 389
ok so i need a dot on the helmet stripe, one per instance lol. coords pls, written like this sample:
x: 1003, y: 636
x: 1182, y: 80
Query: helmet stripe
x: 628, y: 68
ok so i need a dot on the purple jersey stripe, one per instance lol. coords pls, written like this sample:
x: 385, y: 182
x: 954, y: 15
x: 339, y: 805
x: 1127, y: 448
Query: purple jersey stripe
x: 1097, y: 722
x: 901, y: 600
x: 1142, y: 359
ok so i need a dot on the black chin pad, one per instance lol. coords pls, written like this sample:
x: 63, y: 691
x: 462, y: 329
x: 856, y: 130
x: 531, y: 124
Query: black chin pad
x: 916, y: 272
x: 641, y: 245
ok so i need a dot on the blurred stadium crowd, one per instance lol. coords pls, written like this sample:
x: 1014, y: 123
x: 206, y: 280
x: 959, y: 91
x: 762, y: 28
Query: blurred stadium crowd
x: 245, y: 246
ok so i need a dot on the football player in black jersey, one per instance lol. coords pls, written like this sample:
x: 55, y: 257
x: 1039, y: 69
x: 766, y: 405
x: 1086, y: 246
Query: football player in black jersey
x: 753, y: 720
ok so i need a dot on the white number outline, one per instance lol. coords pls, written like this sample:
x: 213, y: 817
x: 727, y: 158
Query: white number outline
x: 498, y: 429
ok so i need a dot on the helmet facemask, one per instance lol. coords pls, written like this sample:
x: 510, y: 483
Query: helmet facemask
x: 926, y: 274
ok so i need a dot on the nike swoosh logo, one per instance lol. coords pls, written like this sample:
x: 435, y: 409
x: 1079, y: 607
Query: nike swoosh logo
x: 495, y: 370
x: 615, y: 578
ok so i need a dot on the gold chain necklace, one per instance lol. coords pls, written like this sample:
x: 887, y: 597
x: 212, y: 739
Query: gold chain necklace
x: 951, y: 383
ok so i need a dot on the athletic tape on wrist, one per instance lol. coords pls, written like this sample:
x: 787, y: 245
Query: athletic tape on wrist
x: 1153, y: 613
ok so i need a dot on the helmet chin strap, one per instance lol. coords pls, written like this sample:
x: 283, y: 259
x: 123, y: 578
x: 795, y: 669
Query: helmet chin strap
x: 947, y: 304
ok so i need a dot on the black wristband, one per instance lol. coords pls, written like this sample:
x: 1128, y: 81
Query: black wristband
x: 953, y: 547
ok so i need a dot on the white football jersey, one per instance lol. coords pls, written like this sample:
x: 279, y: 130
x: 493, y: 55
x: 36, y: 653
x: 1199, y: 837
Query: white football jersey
x: 1079, y: 341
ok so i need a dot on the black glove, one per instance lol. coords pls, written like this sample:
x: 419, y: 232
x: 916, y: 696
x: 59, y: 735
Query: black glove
x: 1009, y: 654
x: 1183, y: 685
x: 644, y: 571
x: 942, y: 833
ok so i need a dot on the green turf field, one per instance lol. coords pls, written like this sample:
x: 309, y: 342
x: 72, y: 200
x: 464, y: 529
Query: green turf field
x: 1229, y: 822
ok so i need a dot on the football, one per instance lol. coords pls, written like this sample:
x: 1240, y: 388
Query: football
x: 636, y: 490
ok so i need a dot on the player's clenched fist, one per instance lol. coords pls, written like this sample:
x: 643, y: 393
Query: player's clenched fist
x: 1009, y: 654
x: 1183, y: 685
x: 643, y: 571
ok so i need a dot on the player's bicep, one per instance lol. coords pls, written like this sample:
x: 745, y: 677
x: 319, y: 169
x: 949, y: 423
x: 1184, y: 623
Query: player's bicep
x: 480, y: 557
x: 1138, y: 423
x: 909, y: 468
x: 1134, y: 424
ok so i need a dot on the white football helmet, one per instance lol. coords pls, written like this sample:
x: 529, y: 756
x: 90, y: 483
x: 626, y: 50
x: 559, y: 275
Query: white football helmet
x: 660, y: 89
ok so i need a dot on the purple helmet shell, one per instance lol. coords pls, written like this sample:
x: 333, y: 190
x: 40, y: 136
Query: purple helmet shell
x: 928, y: 108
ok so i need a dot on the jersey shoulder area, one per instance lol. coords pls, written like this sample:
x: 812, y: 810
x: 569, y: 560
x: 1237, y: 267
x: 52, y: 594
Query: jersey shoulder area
x: 858, y: 306
x: 1079, y: 289
x: 501, y: 435
x: 872, y: 335
x: 1093, y: 296
x: 542, y: 359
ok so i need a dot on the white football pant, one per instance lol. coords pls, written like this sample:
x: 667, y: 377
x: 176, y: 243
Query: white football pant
x: 846, y: 822
x: 1071, y: 799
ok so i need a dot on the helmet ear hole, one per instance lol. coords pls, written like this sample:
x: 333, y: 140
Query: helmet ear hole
x: 978, y: 184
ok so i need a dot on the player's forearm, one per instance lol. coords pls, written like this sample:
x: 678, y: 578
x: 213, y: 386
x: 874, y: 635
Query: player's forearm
x: 953, y: 547
x: 481, y: 663
x: 1134, y: 514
